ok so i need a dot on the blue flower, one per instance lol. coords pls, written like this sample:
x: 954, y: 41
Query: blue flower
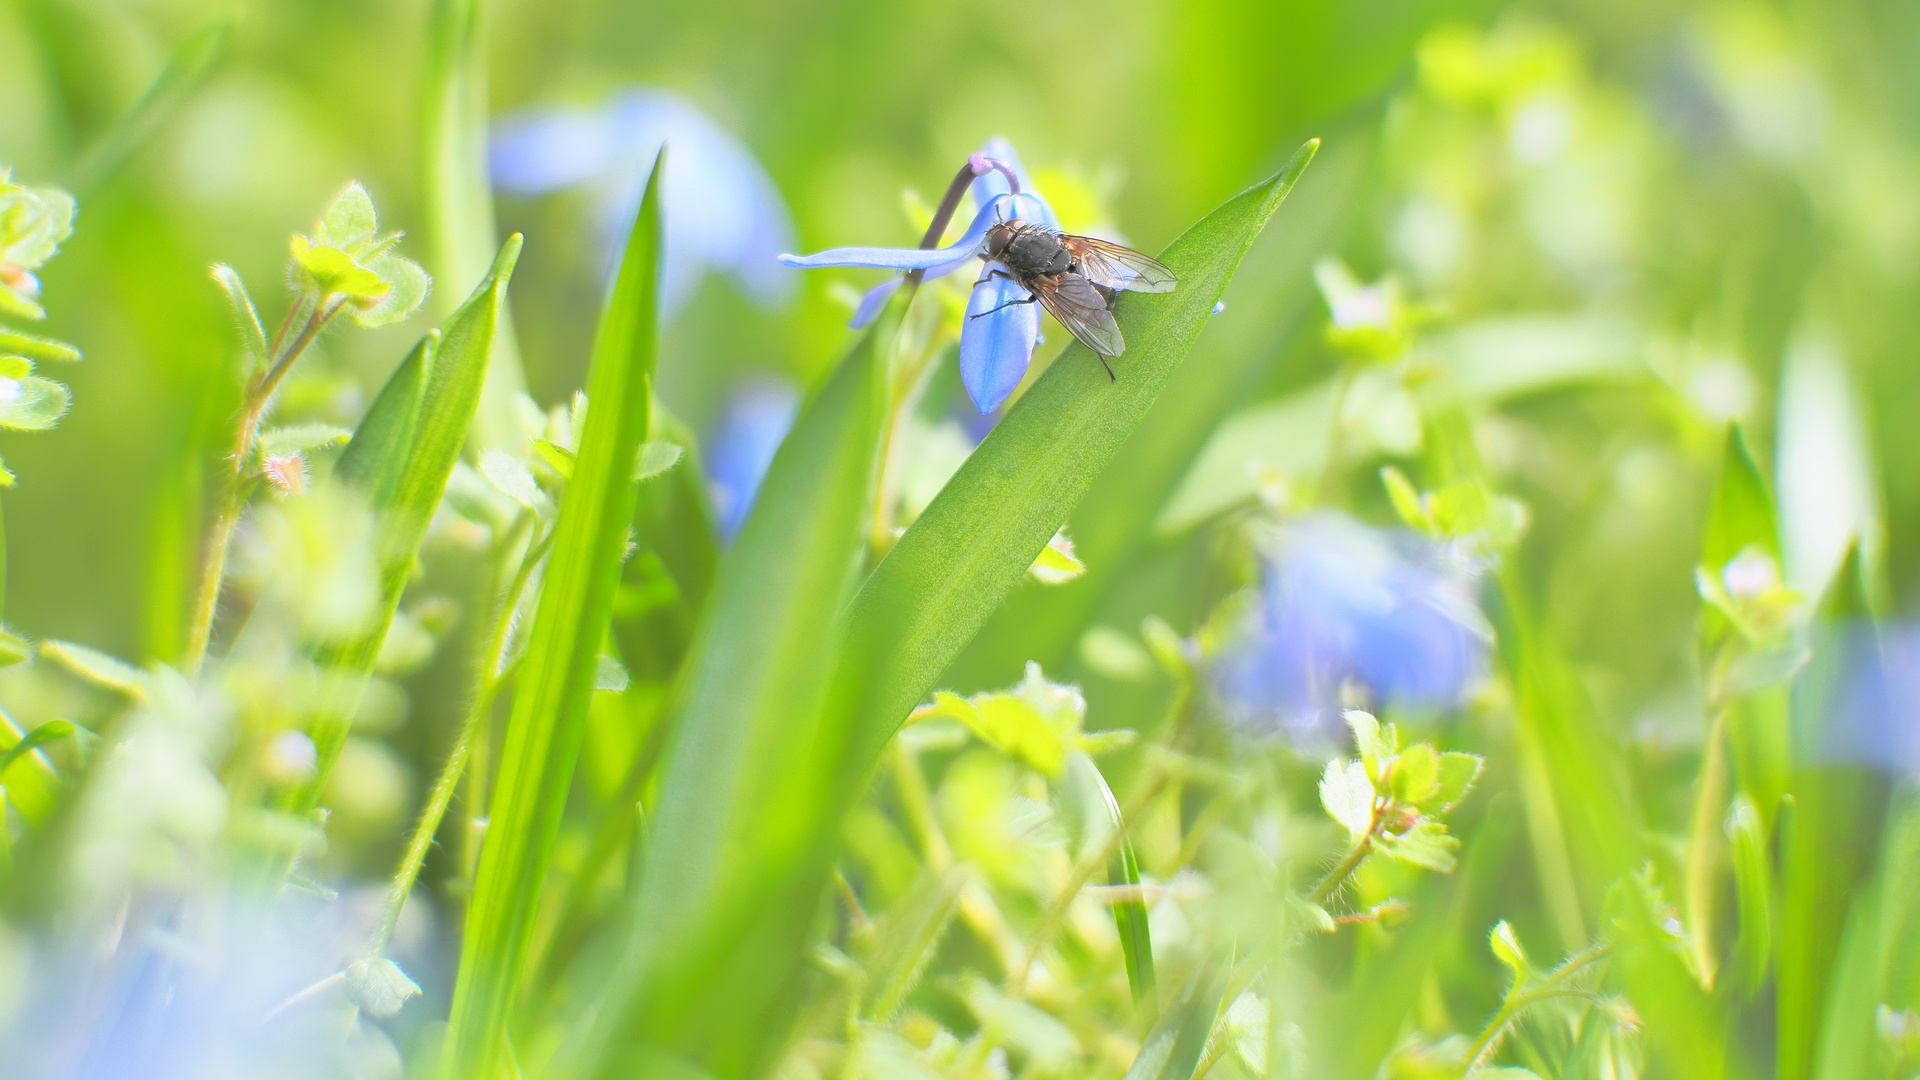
x: 1341, y: 606
x: 741, y: 450
x: 1002, y: 324
x: 722, y: 211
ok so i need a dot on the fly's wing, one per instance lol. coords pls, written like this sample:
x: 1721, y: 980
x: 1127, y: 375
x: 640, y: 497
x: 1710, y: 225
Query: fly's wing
x: 1080, y: 308
x: 1119, y: 267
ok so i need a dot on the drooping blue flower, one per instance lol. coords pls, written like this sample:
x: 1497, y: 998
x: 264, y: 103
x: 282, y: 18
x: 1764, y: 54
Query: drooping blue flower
x: 722, y: 210
x: 741, y: 449
x: 1002, y: 324
x: 1340, y: 604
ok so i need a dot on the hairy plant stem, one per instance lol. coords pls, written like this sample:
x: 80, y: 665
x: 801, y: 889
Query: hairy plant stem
x: 1344, y: 869
x: 493, y: 675
x: 1521, y: 997
x: 312, y: 317
x: 1703, y: 833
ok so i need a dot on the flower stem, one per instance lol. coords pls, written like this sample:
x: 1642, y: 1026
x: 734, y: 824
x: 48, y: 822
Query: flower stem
x: 943, y: 216
x: 213, y: 561
x: 1357, y: 854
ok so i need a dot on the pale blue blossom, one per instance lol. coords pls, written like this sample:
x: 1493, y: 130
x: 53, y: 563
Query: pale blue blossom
x: 1345, y: 609
x: 722, y: 211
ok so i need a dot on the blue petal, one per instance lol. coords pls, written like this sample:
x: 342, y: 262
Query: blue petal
x: 996, y: 348
x: 905, y: 258
x: 540, y: 150
x: 875, y: 299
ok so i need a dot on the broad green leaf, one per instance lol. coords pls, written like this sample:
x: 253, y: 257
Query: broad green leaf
x: 941, y: 582
x: 300, y: 438
x: 558, y: 675
x: 1172, y: 1048
x: 751, y: 796
x: 377, y: 453
x: 12, y: 342
x: 32, y: 403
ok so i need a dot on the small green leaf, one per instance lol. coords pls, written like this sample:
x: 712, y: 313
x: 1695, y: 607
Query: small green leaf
x: 408, y: 286
x: 15, y: 367
x: 1416, y: 774
x: 513, y: 479
x: 610, y: 674
x: 1373, y: 744
x: 41, y: 736
x: 33, y: 222
x: 557, y: 457
x: 14, y: 649
x: 1504, y: 1072
x: 18, y: 306
x: 1056, y: 564
x: 1427, y: 845
x: 1506, y: 948
x: 379, y: 987
x: 1457, y: 773
x: 334, y: 273
x: 41, y: 349
x: 1742, y: 511
x: 656, y: 456
x: 1406, y: 499
x: 1347, y: 795
x: 245, y: 314
x: 300, y: 438
x: 349, y: 220
x: 32, y: 403
x: 96, y: 667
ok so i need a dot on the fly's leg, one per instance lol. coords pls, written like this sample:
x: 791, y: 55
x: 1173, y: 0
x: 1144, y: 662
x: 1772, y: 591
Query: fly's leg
x: 1111, y: 377
x: 1008, y: 304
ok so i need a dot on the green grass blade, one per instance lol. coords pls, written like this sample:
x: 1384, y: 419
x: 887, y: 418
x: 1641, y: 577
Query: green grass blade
x: 376, y: 457
x: 458, y: 197
x: 748, y: 810
x: 447, y: 406
x: 1129, y: 916
x: 558, y: 675
x: 1173, y: 1046
x: 974, y: 543
x: 1753, y: 895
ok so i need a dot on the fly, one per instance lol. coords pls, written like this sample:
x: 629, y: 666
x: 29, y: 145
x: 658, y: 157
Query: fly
x: 1075, y: 278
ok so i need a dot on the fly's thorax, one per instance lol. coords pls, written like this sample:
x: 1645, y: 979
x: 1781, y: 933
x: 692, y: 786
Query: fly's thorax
x: 1031, y: 250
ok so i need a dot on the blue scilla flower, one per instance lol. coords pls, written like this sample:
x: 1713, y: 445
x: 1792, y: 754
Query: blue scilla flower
x: 722, y: 210
x: 1002, y: 327
x: 1342, y: 605
x: 741, y: 449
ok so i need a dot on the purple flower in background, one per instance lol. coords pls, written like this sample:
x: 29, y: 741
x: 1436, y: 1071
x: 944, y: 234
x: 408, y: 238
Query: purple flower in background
x: 1341, y: 602
x: 1002, y: 324
x: 1860, y: 697
x: 741, y: 450
x: 722, y: 211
